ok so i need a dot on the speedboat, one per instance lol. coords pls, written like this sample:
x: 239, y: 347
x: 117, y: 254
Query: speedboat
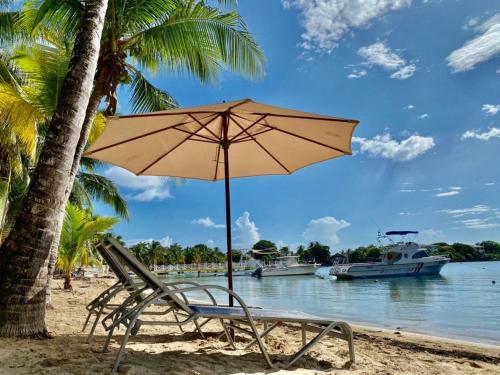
x: 401, y: 258
x: 286, y: 266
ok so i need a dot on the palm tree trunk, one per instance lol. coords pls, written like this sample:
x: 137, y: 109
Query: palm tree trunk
x: 24, y: 255
x: 92, y: 108
x: 4, y: 198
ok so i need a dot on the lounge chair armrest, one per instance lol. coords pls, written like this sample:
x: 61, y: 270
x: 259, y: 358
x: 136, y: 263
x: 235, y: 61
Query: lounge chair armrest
x: 206, y: 288
x: 192, y: 284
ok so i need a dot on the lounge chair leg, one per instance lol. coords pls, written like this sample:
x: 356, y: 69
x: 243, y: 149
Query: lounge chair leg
x: 304, y: 336
x: 108, y: 340
x: 86, y: 321
x: 177, y: 320
x: 199, y: 329
x: 228, y: 334
x: 347, y: 330
x: 263, y: 334
x: 311, y: 343
x: 261, y: 344
x: 94, y: 325
x: 122, y: 346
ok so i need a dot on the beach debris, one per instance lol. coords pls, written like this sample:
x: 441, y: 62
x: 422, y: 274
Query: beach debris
x: 493, y: 282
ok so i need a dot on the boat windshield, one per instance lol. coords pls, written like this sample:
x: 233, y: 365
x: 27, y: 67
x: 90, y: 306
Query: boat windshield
x: 420, y: 254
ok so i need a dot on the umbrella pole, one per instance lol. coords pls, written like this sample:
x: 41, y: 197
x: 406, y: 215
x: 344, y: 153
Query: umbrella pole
x: 225, y: 145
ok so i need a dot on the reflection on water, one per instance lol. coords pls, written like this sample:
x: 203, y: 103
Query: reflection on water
x: 461, y: 302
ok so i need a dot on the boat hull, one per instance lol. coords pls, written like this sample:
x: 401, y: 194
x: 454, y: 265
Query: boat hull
x: 289, y: 271
x: 373, y: 270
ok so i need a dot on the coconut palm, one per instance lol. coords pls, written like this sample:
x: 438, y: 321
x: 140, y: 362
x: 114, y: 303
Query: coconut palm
x: 170, y: 35
x: 24, y: 254
x: 75, y: 247
x: 33, y: 103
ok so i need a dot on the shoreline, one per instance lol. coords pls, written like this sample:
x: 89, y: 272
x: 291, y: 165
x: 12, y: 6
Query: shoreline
x: 465, y: 340
x: 159, y: 350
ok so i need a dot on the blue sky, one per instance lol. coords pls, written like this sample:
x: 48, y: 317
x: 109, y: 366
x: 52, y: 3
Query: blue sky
x: 422, y: 77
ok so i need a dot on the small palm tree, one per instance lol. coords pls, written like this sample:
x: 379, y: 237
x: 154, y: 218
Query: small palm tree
x: 79, y: 231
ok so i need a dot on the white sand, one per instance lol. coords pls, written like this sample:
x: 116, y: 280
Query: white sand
x: 158, y: 350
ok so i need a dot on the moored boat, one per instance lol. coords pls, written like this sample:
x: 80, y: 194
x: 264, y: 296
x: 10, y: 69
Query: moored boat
x: 286, y: 266
x: 402, y: 258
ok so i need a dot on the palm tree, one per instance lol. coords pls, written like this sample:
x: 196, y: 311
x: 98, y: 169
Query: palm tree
x: 24, y: 254
x: 172, y: 35
x: 75, y: 247
x: 34, y: 102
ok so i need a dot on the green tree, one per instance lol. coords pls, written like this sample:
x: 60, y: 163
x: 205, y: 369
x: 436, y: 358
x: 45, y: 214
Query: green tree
x: 75, y: 247
x: 319, y: 253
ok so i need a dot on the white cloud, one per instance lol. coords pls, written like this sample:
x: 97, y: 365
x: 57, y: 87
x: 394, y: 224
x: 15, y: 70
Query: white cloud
x: 386, y: 147
x: 148, y: 187
x: 210, y: 243
x: 326, y: 22
x: 423, y: 116
x: 355, y: 74
x: 483, y: 136
x: 409, y: 106
x: 247, y: 233
x: 483, y: 47
x: 491, y: 109
x: 478, y: 223
x: 455, y: 188
x: 478, y: 209
x: 447, y: 193
x: 324, y: 230
x: 207, y: 222
x: 489, y: 184
x: 407, y: 190
x: 405, y: 213
x: 379, y: 54
x: 405, y: 72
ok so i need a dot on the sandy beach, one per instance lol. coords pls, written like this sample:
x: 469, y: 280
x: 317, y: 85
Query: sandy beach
x: 166, y: 350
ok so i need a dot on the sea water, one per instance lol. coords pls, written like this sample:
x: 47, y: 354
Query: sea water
x: 462, y: 302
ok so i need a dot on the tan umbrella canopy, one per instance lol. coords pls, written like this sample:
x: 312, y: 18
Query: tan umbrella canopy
x: 231, y: 139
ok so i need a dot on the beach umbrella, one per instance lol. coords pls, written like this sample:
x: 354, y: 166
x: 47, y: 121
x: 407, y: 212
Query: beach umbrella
x: 221, y: 141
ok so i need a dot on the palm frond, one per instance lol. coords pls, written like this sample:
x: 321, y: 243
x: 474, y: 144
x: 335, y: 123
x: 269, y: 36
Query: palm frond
x: 146, y: 97
x: 58, y: 17
x: 98, y: 127
x: 199, y: 39
x: 101, y: 188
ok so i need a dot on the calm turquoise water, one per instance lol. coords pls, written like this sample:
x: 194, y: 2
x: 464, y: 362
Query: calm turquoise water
x: 460, y: 303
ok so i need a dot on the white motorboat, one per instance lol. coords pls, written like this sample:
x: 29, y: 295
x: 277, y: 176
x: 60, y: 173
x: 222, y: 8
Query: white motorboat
x: 402, y: 258
x: 286, y: 266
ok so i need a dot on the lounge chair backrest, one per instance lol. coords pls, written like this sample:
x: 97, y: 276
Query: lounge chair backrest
x: 114, y: 264
x: 144, y: 273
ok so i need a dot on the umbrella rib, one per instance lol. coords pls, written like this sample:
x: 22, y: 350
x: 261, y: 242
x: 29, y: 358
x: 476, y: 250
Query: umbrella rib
x: 262, y: 147
x: 250, y: 126
x: 310, y: 140
x: 201, y: 124
x: 176, y: 146
x: 247, y: 138
x: 208, y: 139
x: 218, y: 156
x: 300, y: 136
x: 137, y: 137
